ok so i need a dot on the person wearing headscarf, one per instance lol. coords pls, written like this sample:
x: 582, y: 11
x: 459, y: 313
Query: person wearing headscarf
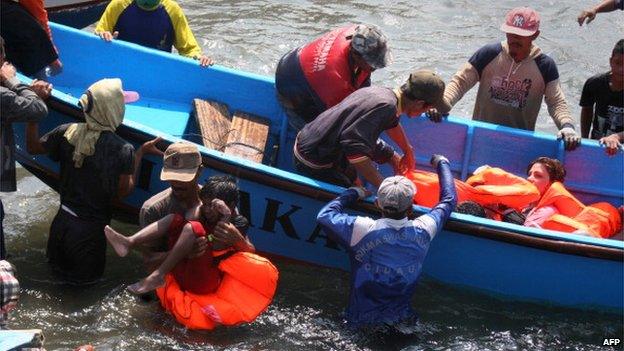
x: 96, y: 166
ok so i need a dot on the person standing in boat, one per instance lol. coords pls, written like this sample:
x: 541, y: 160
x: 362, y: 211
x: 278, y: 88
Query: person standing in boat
x: 312, y: 78
x: 158, y: 24
x: 514, y: 77
x: 96, y: 166
x: 343, y: 142
x: 387, y: 254
x: 20, y: 103
x: 605, y: 91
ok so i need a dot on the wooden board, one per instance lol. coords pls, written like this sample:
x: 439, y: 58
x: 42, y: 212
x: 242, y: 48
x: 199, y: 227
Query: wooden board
x: 248, y: 137
x: 214, y: 123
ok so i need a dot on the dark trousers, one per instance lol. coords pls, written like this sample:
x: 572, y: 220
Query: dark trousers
x: 76, y: 248
x: 343, y: 176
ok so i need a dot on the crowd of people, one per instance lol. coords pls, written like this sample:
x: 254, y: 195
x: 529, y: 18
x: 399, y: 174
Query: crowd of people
x: 325, y: 88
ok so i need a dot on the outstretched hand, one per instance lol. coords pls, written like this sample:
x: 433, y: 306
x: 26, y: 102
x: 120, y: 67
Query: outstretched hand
x: 149, y: 147
x: 588, y: 15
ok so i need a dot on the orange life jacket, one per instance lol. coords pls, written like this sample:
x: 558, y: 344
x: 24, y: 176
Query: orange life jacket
x: 600, y: 220
x: 491, y: 186
x: 247, y: 287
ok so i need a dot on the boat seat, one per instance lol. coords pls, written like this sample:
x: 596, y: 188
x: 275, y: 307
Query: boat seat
x: 243, y: 135
x: 214, y: 123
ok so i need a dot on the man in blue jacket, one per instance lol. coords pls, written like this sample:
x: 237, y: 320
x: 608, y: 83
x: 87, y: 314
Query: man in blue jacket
x: 387, y: 254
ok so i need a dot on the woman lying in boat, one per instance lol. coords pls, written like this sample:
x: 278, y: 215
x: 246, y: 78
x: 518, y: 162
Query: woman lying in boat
x: 219, y: 197
x: 540, y: 201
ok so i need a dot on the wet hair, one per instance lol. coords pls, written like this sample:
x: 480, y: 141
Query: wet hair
x: 618, y: 49
x: 555, y: 169
x: 471, y: 208
x: 221, y: 187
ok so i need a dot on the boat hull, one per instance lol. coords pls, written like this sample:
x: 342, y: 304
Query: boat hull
x: 500, y: 259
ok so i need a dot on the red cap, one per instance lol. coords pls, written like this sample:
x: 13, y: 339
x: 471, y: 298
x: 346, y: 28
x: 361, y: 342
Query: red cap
x: 522, y: 21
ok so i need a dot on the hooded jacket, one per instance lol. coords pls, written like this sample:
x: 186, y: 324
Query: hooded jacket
x: 510, y: 93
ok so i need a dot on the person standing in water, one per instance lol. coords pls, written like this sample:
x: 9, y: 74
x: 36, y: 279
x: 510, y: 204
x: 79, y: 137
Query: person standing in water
x: 158, y: 24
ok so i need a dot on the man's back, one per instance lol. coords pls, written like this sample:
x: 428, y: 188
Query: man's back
x: 89, y: 190
x: 386, y: 259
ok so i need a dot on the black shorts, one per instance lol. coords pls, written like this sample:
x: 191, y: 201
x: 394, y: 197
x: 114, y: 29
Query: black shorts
x: 76, y: 248
x: 26, y: 43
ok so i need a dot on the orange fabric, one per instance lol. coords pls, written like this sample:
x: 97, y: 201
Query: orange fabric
x: 492, y: 186
x: 496, y: 186
x: 600, y: 220
x: 559, y: 197
x: 246, y: 290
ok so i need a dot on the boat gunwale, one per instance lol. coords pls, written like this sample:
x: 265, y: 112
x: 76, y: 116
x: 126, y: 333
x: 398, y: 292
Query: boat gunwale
x: 564, y: 243
x: 74, y: 6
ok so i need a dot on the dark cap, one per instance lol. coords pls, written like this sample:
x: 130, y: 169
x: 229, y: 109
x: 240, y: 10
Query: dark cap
x: 370, y: 43
x: 427, y: 86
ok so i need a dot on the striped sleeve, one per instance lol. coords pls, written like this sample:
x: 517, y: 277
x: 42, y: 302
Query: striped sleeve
x: 110, y: 16
x: 185, y: 41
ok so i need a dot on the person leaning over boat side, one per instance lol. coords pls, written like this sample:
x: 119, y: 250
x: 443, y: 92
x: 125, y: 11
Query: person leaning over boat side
x: 96, y: 165
x: 514, y: 77
x: 28, y: 40
x: 342, y: 142
x: 19, y: 103
x: 605, y: 90
x: 181, y: 169
x: 604, y: 6
x: 158, y: 24
x: 312, y: 78
x: 387, y: 254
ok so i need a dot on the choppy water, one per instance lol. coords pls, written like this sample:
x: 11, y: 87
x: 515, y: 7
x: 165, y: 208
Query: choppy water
x: 306, y: 314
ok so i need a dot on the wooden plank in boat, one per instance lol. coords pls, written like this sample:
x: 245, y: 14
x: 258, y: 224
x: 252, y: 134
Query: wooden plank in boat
x: 214, y: 123
x: 248, y: 137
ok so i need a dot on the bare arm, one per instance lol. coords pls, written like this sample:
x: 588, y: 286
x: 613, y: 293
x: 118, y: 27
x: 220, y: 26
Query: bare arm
x: 33, y: 144
x: 587, y: 114
x: 367, y: 170
x: 590, y: 13
x: 127, y: 181
x: 397, y: 134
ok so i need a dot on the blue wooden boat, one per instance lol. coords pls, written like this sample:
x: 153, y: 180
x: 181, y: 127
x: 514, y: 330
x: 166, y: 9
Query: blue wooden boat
x: 506, y: 260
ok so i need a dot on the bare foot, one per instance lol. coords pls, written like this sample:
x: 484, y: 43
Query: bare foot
x: 146, y: 285
x: 120, y: 243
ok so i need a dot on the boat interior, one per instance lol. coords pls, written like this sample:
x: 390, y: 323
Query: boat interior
x: 235, y: 115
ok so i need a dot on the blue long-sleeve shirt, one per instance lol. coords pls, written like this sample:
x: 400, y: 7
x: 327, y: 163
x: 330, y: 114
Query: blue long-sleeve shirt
x: 386, y: 254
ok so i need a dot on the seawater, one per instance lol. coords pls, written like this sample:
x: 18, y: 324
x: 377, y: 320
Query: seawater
x: 306, y: 314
